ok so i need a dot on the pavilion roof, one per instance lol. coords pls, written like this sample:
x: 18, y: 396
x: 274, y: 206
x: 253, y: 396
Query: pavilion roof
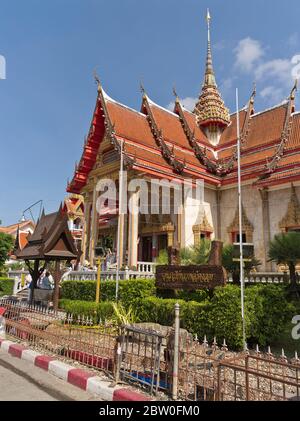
x: 50, y: 240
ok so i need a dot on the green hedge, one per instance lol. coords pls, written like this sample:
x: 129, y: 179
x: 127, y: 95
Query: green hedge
x: 129, y: 291
x: 271, y: 311
x: 102, y: 311
x: 6, y: 286
x: 267, y: 309
x: 267, y: 312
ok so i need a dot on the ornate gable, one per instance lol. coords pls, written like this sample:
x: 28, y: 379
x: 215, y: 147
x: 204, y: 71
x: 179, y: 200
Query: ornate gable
x: 292, y: 217
x: 246, y: 224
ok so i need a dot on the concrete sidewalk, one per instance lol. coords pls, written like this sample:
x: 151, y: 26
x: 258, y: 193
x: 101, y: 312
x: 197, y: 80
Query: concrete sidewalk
x: 83, y: 379
x: 19, y: 382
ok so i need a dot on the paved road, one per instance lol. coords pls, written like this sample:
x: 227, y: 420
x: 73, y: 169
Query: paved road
x: 20, y: 381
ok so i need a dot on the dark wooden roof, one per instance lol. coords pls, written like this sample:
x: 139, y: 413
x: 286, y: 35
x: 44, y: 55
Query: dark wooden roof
x: 51, y: 240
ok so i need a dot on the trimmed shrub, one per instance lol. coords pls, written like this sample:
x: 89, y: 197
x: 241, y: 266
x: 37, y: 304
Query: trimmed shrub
x: 129, y: 291
x: 272, y: 312
x: 102, y: 311
x: 266, y: 309
x: 193, y: 315
x: 198, y: 296
x: 135, y: 290
x: 225, y: 316
x: 6, y: 286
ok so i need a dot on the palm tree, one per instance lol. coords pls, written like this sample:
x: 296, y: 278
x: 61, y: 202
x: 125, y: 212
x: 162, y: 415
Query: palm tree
x: 196, y: 255
x: 285, y: 249
x: 233, y: 267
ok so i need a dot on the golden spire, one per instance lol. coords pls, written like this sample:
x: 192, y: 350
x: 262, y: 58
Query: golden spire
x: 210, y: 108
x: 209, y: 71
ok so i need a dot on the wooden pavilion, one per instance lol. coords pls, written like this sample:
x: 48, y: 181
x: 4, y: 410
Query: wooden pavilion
x: 51, y: 241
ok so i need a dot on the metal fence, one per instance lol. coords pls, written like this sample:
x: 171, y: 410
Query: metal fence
x: 62, y: 335
x: 159, y: 359
x: 259, y: 378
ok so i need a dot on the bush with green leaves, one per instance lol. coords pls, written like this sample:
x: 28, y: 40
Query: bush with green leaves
x: 129, y: 291
x: 196, y: 255
x: 102, y: 311
x: 272, y: 311
x: 285, y: 249
x: 233, y: 266
x: 6, y: 246
x: 266, y: 313
x: 6, y: 286
x: 267, y: 310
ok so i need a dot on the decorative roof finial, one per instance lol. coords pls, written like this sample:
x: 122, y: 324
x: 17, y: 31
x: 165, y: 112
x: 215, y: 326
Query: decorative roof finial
x: 208, y: 19
x: 175, y: 94
x: 97, y: 79
x: 253, y: 93
x: 209, y: 73
x: 142, y: 89
x: 294, y: 90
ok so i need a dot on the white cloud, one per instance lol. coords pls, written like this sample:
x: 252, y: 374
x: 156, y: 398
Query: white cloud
x: 188, y: 103
x: 272, y: 94
x: 279, y: 70
x: 248, y: 52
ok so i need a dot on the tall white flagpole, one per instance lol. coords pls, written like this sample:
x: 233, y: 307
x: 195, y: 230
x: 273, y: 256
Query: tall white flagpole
x: 119, y: 220
x: 240, y: 219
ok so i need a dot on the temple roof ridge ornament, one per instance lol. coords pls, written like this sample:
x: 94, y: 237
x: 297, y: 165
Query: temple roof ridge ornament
x: 226, y: 167
x: 210, y: 108
x: 167, y: 153
x: 271, y: 166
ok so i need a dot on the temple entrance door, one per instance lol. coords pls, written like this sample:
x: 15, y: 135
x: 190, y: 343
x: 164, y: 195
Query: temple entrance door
x: 147, y: 249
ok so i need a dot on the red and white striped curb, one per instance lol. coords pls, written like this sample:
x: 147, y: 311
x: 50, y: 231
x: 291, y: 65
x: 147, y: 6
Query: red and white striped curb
x: 83, y: 379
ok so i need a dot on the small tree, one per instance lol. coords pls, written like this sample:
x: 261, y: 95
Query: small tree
x: 6, y: 246
x: 196, y: 255
x: 285, y: 249
x: 234, y: 267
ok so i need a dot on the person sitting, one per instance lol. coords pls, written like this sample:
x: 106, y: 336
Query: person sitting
x: 45, y: 283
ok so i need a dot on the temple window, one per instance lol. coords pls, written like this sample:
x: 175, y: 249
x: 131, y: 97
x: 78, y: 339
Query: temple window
x: 236, y: 237
x: 202, y: 231
x: 234, y: 231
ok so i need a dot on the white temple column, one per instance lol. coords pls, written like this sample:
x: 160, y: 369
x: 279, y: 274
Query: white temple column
x: 86, y: 231
x: 264, y: 194
x: 133, y: 230
x: 94, y: 228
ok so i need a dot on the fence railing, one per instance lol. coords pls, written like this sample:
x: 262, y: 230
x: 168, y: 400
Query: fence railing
x: 264, y: 278
x: 63, y: 335
x: 147, y: 270
x: 155, y: 357
x: 258, y: 378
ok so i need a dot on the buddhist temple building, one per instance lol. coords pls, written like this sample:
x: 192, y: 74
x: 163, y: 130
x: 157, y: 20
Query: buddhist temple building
x: 177, y: 145
x: 20, y: 231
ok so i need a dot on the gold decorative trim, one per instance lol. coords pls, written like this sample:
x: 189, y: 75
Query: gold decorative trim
x: 247, y: 226
x: 204, y: 227
x: 292, y: 217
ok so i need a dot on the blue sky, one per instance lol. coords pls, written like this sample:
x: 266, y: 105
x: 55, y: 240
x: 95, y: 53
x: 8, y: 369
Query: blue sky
x: 52, y: 46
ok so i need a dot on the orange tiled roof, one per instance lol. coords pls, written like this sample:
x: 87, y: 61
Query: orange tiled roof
x: 23, y: 239
x: 262, y: 141
x: 12, y: 229
x: 230, y: 133
x: 267, y: 126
